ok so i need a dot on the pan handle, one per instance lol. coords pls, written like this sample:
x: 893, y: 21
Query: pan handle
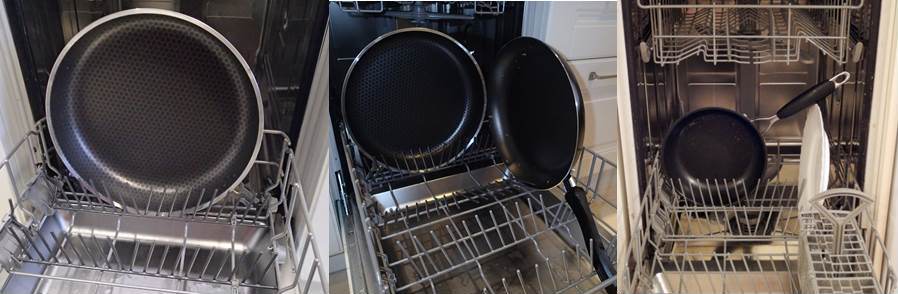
x: 576, y: 199
x: 813, y: 95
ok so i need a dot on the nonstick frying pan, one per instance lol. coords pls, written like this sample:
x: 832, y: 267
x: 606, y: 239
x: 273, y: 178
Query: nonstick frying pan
x: 414, y: 100
x: 154, y: 109
x: 718, y: 143
x: 537, y: 124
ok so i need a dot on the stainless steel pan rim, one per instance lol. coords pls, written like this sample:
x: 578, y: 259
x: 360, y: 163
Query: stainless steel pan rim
x: 578, y: 105
x: 581, y: 121
x: 399, y: 31
x: 180, y: 16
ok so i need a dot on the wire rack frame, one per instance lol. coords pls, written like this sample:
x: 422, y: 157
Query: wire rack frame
x: 378, y: 177
x: 449, y: 239
x: 480, y: 7
x: 780, y: 246
x: 732, y: 31
x: 683, y: 248
x: 489, y: 7
x: 766, y: 213
x: 836, y: 246
x: 248, y: 204
x: 421, y: 245
x: 102, y: 253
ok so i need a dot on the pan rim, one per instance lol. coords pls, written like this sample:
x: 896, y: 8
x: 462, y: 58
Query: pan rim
x: 154, y: 11
x: 578, y: 105
x: 733, y: 113
x: 377, y: 40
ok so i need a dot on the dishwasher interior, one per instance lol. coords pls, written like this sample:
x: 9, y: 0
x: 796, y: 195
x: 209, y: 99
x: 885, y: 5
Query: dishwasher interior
x: 752, y: 57
x: 59, y: 237
x: 465, y: 227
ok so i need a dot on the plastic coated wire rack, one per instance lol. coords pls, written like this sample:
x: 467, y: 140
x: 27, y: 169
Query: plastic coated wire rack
x: 378, y: 177
x: 836, y: 245
x: 490, y: 236
x: 480, y: 7
x: 768, y: 242
x: 748, y: 31
x: 59, y: 238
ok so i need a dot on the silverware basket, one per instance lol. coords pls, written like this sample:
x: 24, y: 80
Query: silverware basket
x: 751, y: 32
x: 61, y: 238
x: 837, y: 238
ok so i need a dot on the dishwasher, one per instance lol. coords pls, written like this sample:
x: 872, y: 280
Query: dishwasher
x: 59, y: 237
x: 786, y: 235
x: 463, y: 227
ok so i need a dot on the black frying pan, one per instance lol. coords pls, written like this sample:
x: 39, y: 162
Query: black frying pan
x: 414, y: 99
x: 537, y: 124
x: 717, y: 143
x: 154, y: 109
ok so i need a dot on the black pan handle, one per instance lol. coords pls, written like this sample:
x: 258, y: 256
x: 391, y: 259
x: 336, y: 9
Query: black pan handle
x: 813, y: 95
x: 576, y: 199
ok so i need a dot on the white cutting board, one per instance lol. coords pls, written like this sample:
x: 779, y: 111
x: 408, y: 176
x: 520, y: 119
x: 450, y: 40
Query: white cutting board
x: 813, y: 172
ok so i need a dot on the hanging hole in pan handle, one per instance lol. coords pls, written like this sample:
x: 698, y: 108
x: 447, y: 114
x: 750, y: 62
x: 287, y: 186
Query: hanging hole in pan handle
x: 812, y: 95
x: 841, y: 78
x: 818, y: 203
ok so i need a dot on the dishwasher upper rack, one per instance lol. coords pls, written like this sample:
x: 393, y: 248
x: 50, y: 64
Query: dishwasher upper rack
x: 479, y: 7
x: 430, y: 245
x: 248, y: 203
x: 47, y: 194
x: 378, y: 178
x: 749, y: 32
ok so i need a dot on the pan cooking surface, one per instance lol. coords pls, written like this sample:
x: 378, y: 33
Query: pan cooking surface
x: 150, y: 104
x: 413, y: 95
x: 714, y: 144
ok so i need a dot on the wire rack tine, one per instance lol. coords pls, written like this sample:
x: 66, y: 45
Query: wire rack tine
x: 100, y: 249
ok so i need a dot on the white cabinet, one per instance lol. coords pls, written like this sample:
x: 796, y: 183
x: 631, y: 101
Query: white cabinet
x: 580, y: 30
x: 598, y: 82
x: 584, y: 33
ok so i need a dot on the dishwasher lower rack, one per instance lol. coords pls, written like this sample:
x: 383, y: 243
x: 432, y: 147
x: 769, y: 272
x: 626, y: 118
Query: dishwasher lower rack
x: 760, y: 244
x: 475, y: 232
x: 60, y: 238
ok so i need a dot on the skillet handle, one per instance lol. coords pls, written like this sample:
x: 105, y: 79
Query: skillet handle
x: 576, y: 199
x: 813, y: 95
